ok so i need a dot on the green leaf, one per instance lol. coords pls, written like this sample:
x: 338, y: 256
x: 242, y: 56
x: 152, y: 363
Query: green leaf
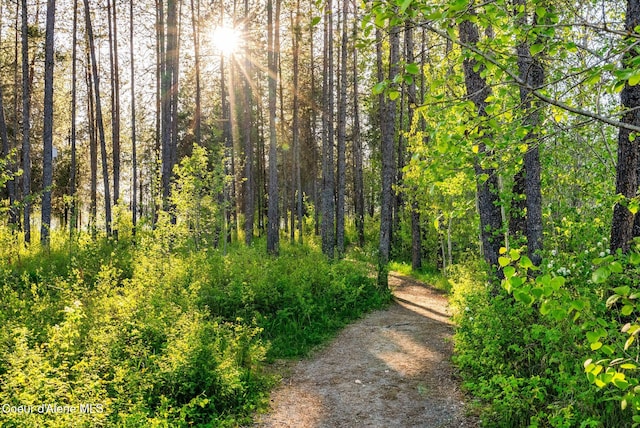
x: 537, y: 292
x: 394, y: 95
x: 545, y: 308
x: 503, y: 261
x: 525, y: 262
x: 379, y: 88
x: 628, y: 366
x: 634, y: 259
x: 541, y: 11
x: 593, y: 336
x: 523, y: 296
x: 596, y: 345
x: 405, y: 5
x: 627, y: 310
x: 600, y: 275
x: 514, y: 254
x: 620, y: 383
x: 509, y: 271
x: 315, y: 21
x: 557, y: 282
x: 616, y: 267
x: 412, y: 68
x: 536, y: 48
x: 623, y: 290
x: 634, y: 79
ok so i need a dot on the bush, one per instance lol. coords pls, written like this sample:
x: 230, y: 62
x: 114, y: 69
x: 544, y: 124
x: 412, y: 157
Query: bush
x: 159, y: 335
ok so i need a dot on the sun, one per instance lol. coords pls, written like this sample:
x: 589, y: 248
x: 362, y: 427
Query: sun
x: 227, y: 40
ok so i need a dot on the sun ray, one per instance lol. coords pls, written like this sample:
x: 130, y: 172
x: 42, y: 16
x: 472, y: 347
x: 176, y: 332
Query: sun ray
x: 227, y: 40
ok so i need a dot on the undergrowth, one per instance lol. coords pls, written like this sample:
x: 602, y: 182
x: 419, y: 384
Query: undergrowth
x: 521, y: 352
x: 157, y: 334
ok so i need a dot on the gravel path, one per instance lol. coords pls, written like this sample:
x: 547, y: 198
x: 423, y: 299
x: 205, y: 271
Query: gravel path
x: 389, y: 369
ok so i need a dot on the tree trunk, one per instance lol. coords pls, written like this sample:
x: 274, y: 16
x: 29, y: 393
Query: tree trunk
x: 115, y: 97
x: 249, y: 205
x: 388, y: 132
x: 93, y: 149
x: 487, y: 181
x: 342, y: 134
x: 358, y: 184
x: 328, y: 201
x: 47, y: 151
x: 296, y: 122
x: 100, y: 123
x: 416, y: 232
x: 73, y: 224
x: 6, y: 153
x: 26, y: 126
x: 273, y: 37
x: 195, y: 22
x: 134, y: 143
x: 628, y: 164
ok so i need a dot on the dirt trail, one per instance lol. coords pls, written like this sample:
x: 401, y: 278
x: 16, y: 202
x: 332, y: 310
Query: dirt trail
x: 390, y: 369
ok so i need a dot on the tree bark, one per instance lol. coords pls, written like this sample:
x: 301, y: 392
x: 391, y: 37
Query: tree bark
x: 73, y: 224
x: 487, y: 181
x: 115, y: 97
x: 296, y: 121
x: 628, y: 163
x: 47, y: 151
x: 342, y: 134
x: 388, y: 132
x: 6, y: 154
x: 358, y: 184
x: 93, y: 148
x: 416, y: 230
x: 273, y: 37
x: 532, y: 72
x: 249, y: 200
x: 195, y: 23
x: 99, y: 120
x: 328, y: 179
x: 134, y: 143
x: 26, y: 126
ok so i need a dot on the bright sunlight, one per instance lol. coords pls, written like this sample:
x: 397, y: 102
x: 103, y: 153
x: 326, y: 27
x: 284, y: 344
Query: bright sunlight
x: 227, y: 40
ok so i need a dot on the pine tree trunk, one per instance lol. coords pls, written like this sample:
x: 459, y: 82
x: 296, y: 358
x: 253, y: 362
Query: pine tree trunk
x: 388, y: 131
x: 73, y: 224
x: 47, y: 151
x: 134, y: 143
x: 296, y: 122
x: 26, y: 126
x: 273, y: 38
x: 628, y: 163
x: 195, y: 21
x: 328, y: 199
x: 99, y: 121
x: 249, y: 201
x: 115, y: 97
x: 342, y: 135
x: 6, y: 153
x: 358, y: 184
x: 93, y: 149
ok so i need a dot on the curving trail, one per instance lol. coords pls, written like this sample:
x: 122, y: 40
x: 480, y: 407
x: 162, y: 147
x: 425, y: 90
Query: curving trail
x: 390, y: 369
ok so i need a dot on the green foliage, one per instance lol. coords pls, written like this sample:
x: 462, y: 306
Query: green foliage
x: 520, y: 352
x: 155, y: 334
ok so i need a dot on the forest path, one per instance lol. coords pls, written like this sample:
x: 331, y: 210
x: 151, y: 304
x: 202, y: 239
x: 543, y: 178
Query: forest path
x: 390, y: 369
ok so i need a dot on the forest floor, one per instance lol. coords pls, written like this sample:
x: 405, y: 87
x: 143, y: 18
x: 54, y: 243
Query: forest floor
x: 390, y: 369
